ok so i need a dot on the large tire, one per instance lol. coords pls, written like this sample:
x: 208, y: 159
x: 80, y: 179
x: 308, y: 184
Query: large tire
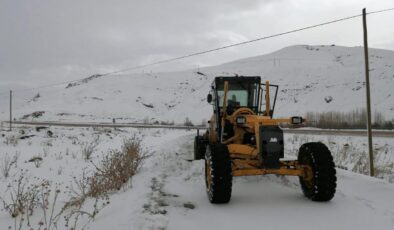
x: 218, y: 174
x: 199, y: 148
x: 322, y: 184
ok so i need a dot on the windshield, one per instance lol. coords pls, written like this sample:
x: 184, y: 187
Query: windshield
x: 240, y: 94
x: 239, y: 97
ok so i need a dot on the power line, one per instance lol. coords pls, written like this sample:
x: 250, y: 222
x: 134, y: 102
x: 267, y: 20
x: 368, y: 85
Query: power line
x: 213, y: 50
x: 242, y: 43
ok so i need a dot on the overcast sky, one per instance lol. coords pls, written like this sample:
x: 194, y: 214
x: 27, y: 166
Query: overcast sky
x: 66, y: 40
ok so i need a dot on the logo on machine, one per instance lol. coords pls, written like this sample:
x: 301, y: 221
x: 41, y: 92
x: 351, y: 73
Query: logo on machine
x: 273, y: 139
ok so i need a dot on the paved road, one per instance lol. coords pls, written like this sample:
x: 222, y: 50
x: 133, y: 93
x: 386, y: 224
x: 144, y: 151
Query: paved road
x: 376, y: 133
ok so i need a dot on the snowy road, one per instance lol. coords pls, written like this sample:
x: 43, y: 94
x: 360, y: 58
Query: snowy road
x: 169, y: 193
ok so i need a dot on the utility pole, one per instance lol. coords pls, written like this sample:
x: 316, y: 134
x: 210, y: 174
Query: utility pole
x: 370, y: 150
x: 10, y: 110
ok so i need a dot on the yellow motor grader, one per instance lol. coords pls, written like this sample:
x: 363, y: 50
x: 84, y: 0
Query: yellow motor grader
x: 244, y: 140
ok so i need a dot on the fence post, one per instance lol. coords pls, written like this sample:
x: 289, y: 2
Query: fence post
x: 10, y: 110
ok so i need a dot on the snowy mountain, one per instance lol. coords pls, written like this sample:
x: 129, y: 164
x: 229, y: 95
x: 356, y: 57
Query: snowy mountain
x: 311, y: 79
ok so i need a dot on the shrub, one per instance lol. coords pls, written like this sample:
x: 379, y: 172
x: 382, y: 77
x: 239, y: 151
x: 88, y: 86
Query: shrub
x: 113, y: 172
x: 117, y: 168
x: 23, y: 199
x: 356, y: 119
x: 6, y: 164
x: 88, y: 148
x: 188, y: 122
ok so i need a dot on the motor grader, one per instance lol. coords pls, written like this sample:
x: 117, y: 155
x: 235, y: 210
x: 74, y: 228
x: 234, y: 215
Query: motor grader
x: 243, y: 139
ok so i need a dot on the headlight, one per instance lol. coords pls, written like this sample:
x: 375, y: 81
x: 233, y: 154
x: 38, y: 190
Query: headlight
x: 296, y: 120
x: 240, y: 120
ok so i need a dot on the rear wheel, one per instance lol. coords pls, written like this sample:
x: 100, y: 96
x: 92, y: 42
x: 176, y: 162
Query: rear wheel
x: 199, y: 148
x: 321, y: 185
x: 218, y: 176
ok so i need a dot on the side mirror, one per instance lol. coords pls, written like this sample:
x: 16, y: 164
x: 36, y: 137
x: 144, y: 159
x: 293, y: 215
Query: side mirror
x: 209, y: 98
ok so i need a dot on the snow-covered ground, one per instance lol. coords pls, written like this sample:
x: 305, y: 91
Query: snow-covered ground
x: 311, y: 79
x: 169, y: 191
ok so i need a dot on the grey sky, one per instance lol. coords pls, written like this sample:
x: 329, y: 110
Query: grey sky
x: 46, y: 40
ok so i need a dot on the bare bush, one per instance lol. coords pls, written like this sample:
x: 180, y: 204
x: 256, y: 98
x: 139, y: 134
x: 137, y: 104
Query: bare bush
x: 11, y: 140
x: 6, y: 164
x: 112, y: 173
x: 117, y: 167
x: 79, y: 190
x: 88, y: 148
x: 25, y: 198
x: 188, y: 122
x: 22, y: 200
x: 74, y: 215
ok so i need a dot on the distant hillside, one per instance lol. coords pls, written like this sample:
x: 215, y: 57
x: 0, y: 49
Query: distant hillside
x: 311, y: 78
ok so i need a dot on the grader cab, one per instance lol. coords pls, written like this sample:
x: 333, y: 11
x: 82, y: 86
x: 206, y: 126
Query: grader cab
x: 244, y: 139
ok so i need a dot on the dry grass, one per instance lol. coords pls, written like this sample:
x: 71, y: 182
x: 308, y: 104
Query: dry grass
x: 88, y: 148
x: 23, y: 199
x: 117, y: 168
x: 113, y: 172
x: 6, y: 164
x: 11, y: 140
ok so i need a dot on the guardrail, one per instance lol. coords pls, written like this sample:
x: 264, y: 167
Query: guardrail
x: 107, y: 124
x: 375, y: 133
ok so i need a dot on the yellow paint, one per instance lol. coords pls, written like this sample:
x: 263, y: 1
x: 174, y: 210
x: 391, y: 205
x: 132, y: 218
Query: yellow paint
x: 242, y: 149
x: 282, y: 171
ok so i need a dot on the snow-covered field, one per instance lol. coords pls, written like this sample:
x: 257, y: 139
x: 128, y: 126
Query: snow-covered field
x: 169, y: 190
x: 351, y: 152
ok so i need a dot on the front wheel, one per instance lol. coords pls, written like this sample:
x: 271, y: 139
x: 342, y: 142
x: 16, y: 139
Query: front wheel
x: 322, y: 184
x: 218, y: 174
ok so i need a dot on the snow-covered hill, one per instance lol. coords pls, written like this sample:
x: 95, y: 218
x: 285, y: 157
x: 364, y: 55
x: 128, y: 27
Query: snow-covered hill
x: 306, y: 75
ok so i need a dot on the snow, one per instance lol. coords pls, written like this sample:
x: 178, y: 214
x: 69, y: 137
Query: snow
x: 306, y: 75
x: 271, y: 202
x: 169, y: 180
x: 169, y: 191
